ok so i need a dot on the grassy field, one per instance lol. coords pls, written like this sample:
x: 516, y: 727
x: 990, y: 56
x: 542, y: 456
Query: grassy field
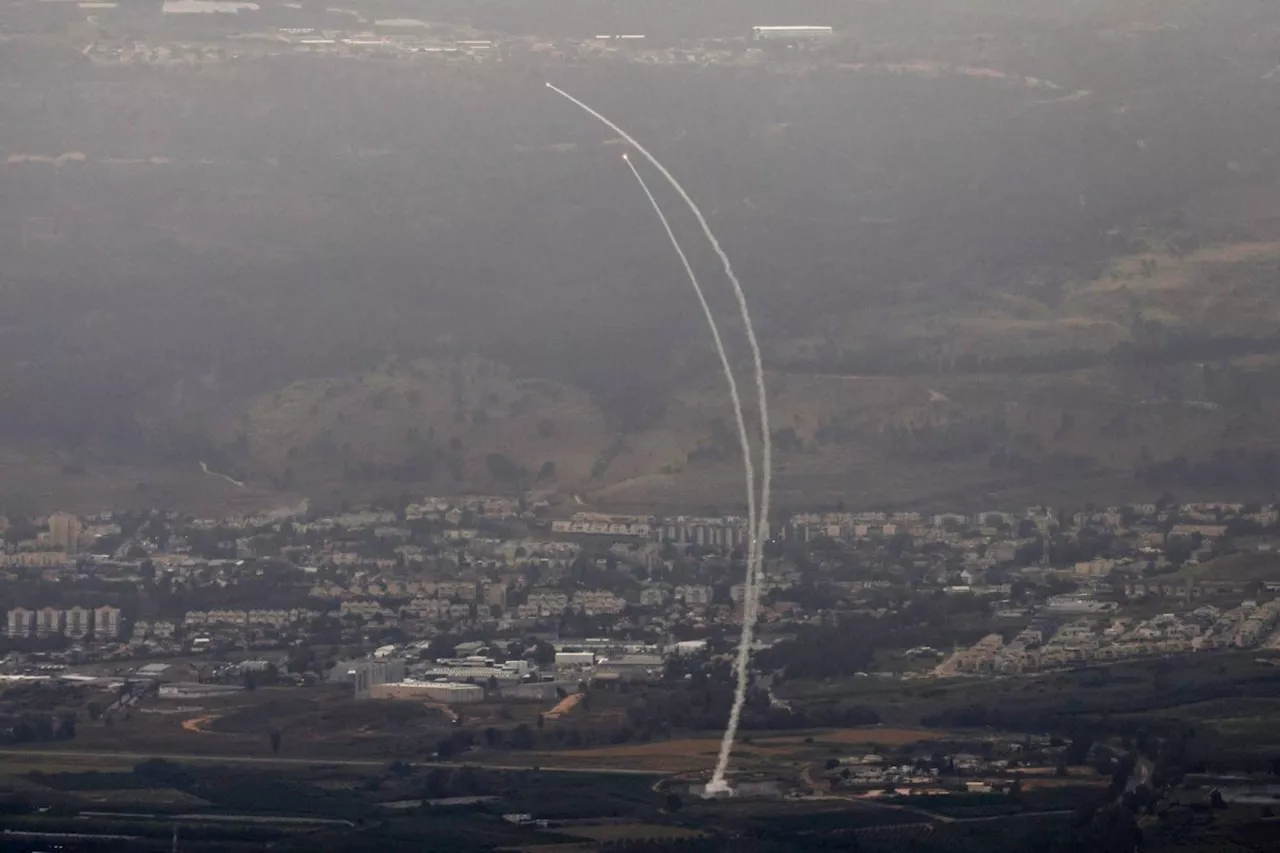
x: 20, y: 765
x: 313, y: 721
x: 1242, y: 720
x: 1229, y: 699
x: 141, y: 798
x: 629, y: 832
x: 699, y: 753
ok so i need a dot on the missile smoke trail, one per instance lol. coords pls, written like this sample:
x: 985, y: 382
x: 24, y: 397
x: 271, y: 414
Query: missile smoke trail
x: 747, y: 465
x: 232, y: 480
x: 759, y: 524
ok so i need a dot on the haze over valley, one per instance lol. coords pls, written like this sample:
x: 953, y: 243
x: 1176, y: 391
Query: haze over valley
x: 1006, y: 250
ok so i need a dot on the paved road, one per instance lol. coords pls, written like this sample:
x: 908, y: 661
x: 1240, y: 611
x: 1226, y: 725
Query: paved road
x: 312, y: 762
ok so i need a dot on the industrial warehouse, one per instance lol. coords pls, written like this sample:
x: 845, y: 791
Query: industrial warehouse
x: 446, y: 692
x: 792, y: 33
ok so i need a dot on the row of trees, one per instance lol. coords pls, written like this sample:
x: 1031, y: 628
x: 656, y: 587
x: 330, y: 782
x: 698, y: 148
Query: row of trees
x: 37, y: 728
x: 1235, y: 468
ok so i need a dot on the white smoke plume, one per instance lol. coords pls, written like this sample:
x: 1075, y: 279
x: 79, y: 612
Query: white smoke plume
x: 739, y: 417
x: 759, y: 524
x: 212, y: 473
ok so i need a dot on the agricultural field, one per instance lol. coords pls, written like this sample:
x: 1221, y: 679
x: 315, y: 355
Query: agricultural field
x: 235, y: 803
x: 311, y: 721
x: 629, y: 832
x: 1010, y: 833
x: 754, y: 752
x: 1113, y: 689
x: 16, y: 766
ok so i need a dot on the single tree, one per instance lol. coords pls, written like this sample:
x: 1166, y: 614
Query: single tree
x: 522, y: 737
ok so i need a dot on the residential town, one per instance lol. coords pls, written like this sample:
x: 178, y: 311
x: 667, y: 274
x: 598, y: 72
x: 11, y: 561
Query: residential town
x: 1057, y: 590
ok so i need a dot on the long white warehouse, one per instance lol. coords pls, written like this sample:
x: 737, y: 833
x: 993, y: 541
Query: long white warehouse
x: 449, y: 693
x: 792, y: 32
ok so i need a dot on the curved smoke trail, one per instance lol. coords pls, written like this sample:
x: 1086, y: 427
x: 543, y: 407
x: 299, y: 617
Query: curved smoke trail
x: 212, y: 473
x: 758, y: 525
x: 743, y: 438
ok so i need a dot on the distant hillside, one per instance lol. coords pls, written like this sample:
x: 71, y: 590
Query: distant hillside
x: 465, y: 423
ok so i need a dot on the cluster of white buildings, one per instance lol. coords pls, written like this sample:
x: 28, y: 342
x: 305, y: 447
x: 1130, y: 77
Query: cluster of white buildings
x: 430, y: 609
x: 806, y: 526
x: 598, y: 602
x: 61, y: 537
x: 543, y: 603
x: 159, y: 629
x: 546, y: 603
x: 475, y: 669
x: 235, y: 618
x: 596, y: 524
x: 451, y: 510
x: 872, y: 770
x: 512, y: 561
x: 457, y: 681
x: 854, y: 526
x: 462, y: 601
x: 76, y: 623
x: 1089, y: 640
x: 730, y: 532
x: 1256, y: 624
x: 793, y: 32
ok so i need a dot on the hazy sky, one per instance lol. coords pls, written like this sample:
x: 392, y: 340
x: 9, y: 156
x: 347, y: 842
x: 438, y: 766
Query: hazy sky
x: 216, y: 229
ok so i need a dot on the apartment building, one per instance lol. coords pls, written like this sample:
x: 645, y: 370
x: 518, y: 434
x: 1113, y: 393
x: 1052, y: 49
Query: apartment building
x: 694, y: 595
x: 64, y: 532
x: 106, y: 623
x: 548, y: 602
x: 598, y: 602
x: 19, y: 622
x: 48, y: 622
x: 77, y: 622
